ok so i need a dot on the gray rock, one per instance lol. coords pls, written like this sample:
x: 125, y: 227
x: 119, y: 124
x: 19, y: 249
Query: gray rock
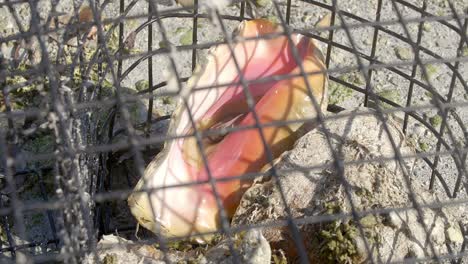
x: 254, y: 249
x: 395, y: 220
x: 112, y: 249
x: 251, y: 247
x: 415, y: 250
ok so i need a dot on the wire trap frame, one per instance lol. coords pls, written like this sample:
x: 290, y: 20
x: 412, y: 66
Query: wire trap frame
x: 89, y: 89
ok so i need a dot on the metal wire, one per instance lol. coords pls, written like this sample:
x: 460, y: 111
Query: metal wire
x: 78, y: 205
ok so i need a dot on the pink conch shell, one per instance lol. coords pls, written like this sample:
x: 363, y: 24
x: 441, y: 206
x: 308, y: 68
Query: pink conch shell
x: 190, y: 210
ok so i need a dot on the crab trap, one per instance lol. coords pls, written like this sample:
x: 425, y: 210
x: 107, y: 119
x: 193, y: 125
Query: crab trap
x: 272, y: 131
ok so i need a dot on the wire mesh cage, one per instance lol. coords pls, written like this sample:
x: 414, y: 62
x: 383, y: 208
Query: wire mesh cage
x: 347, y: 143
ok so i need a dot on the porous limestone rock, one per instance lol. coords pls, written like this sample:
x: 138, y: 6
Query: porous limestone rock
x: 313, y: 189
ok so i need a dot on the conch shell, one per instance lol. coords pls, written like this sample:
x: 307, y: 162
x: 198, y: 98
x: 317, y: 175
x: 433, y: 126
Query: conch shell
x: 191, y: 210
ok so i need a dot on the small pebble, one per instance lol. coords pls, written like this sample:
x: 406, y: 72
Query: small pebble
x: 454, y: 235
